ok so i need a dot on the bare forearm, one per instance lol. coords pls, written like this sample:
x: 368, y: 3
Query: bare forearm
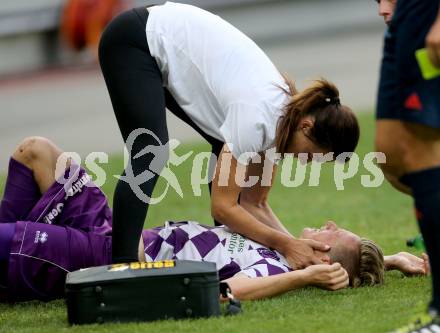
x: 262, y: 287
x: 389, y: 262
x: 241, y: 221
x: 265, y: 214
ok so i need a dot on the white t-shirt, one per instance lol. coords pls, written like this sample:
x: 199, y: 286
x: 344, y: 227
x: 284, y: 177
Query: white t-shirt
x: 220, y: 77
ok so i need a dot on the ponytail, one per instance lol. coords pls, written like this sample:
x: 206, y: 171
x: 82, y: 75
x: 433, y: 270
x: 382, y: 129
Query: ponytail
x: 335, y: 126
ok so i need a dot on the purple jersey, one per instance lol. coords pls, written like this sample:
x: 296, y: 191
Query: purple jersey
x: 231, y: 252
x: 67, y: 228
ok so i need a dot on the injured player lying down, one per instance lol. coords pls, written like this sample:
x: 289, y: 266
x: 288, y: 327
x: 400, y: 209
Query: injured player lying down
x: 48, y: 229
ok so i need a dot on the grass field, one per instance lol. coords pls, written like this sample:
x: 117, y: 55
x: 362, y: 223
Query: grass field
x: 381, y: 214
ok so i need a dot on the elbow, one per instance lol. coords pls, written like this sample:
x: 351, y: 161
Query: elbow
x: 258, y: 204
x: 248, y: 199
x: 245, y: 295
x: 245, y: 288
x: 219, y: 212
x: 224, y: 212
x: 241, y: 293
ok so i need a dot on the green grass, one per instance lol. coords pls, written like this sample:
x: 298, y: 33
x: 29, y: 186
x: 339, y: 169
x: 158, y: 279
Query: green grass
x: 381, y: 214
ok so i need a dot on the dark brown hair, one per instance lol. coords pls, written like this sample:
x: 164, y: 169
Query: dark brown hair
x: 335, y: 128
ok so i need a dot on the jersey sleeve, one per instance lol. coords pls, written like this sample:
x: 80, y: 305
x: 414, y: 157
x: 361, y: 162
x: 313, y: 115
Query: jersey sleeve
x: 244, y: 131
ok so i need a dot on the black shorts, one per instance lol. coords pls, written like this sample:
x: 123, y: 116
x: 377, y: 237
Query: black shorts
x: 403, y: 93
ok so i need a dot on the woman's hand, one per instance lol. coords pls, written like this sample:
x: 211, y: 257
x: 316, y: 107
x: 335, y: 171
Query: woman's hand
x: 300, y: 253
x: 409, y: 264
x: 329, y: 277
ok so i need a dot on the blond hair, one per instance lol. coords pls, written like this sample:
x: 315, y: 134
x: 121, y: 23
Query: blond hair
x: 371, y: 267
x: 363, y: 262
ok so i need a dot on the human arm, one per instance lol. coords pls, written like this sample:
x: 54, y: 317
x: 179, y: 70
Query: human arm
x: 330, y: 277
x: 225, y: 208
x: 408, y: 263
x: 255, y: 198
x: 433, y: 42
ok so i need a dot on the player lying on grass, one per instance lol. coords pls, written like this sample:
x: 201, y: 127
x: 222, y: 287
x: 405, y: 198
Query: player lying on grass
x: 47, y: 230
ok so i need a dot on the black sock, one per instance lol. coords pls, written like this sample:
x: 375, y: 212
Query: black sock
x: 425, y: 185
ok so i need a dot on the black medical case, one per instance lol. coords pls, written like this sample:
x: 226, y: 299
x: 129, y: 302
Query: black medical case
x: 143, y: 292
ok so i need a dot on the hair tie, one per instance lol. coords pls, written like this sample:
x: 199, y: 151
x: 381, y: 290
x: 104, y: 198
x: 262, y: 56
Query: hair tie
x: 335, y: 101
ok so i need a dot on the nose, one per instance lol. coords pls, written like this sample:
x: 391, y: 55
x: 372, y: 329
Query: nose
x: 384, y: 9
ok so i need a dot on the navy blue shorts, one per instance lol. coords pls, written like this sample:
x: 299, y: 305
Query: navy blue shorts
x: 403, y: 93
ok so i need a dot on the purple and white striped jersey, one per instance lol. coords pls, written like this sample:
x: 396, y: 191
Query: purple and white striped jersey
x: 231, y: 252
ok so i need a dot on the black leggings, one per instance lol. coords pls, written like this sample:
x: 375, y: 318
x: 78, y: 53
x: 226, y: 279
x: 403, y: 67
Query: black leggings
x: 135, y: 85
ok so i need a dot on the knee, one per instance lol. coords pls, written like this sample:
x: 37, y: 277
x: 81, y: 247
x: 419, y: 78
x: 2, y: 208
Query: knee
x: 408, y: 148
x: 30, y: 149
x: 397, y: 151
x: 395, y: 181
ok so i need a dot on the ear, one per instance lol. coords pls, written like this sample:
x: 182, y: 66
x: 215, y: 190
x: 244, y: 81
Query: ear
x: 306, y: 124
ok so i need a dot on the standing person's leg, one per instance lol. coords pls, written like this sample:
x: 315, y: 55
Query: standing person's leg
x: 408, y: 126
x: 216, y: 150
x: 216, y: 145
x: 134, y: 83
x: 414, y: 159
